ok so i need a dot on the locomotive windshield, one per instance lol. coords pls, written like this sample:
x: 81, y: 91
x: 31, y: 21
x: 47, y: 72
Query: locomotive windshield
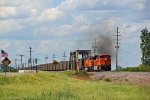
x: 105, y: 56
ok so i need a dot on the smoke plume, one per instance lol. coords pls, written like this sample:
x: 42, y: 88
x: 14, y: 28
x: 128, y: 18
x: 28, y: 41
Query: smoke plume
x: 105, y: 44
x: 104, y: 36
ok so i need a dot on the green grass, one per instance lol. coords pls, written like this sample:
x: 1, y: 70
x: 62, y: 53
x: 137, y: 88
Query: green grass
x: 80, y: 72
x: 136, y: 69
x: 61, y: 86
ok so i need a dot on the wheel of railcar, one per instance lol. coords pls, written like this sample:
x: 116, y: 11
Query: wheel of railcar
x: 109, y: 68
x: 102, y: 68
x: 89, y: 69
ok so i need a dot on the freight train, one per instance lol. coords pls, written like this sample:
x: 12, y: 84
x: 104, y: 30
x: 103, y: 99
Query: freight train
x: 98, y: 63
x: 87, y: 62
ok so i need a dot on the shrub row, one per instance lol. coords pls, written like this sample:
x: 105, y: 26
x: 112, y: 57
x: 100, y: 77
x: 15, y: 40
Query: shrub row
x: 136, y: 69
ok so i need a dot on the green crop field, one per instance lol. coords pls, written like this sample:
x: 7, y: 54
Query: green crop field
x: 61, y: 86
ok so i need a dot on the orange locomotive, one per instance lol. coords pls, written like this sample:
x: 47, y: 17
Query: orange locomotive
x: 98, y: 62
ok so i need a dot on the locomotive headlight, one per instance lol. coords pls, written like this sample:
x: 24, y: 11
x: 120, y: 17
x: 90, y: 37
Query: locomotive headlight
x: 105, y: 59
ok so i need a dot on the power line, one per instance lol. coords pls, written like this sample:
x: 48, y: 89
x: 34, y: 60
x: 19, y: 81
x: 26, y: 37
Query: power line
x: 117, y: 47
x: 30, y: 59
x: 53, y: 56
x: 15, y: 63
x: 64, y: 59
x: 33, y: 61
x: 21, y: 60
x: 46, y: 57
x: 129, y: 53
x: 94, y: 47
x: 64, y: 56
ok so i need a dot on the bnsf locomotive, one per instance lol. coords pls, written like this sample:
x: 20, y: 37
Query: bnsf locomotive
x: 98, y: 62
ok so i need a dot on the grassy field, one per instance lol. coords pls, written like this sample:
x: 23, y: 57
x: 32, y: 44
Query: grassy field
x: 61, y: 86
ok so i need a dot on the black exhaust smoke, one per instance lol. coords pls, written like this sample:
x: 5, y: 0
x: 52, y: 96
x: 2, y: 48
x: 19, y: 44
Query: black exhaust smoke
x: 104, y: 36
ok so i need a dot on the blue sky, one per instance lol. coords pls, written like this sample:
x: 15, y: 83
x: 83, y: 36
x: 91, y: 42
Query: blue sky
x: 54, y: 26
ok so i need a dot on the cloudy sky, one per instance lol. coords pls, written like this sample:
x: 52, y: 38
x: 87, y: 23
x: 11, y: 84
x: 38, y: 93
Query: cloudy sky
x: 54, y: 26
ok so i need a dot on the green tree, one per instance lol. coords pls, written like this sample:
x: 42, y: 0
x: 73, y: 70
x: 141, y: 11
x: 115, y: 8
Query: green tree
x: 145, y: 47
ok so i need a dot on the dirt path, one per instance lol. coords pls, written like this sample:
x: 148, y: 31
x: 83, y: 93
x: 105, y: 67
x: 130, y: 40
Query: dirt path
x: 134, y: 78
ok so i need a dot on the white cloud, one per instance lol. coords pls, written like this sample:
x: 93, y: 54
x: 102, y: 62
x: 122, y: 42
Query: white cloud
x: 5, y: 44
x: 68, y: 5
x: 9, y: 26
x: 54, y: 30
x: 10, y: 12
x: 7, y: 11
x: 65, y: 30
x: 80, y: 19
x: 10, y: 2
x: 51, y: 14
x: 44, y: 45
x: 132, y: 28
x: 140, y: 6
x: 90, y: 3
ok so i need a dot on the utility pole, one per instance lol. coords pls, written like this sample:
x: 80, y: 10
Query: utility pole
x: 25, y: 64
x: 36, y: 62
x: 45, y: 59
x: 18, y: 67
x: 64, y: 56
x: 64, y: 59
x: 30, y: 60
x: 15, y: 63
x: 21, y: 60
x: 117, y: 47
x: 33, y: 61
x: 54, y: 56
x: 94, y: 47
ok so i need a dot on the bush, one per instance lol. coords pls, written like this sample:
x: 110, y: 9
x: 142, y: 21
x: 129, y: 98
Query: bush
x: 11, y: 69
x: 107, y: 79
x: 130, y: 69
x: 141, y: 68
x: 144, y: 68
x: 81, y: 72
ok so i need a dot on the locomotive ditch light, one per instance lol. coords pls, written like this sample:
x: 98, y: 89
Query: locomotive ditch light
x: 95, y: 67
x: 86, y: 69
